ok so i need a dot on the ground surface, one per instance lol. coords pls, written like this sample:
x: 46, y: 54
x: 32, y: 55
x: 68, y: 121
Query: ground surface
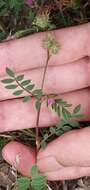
x: 18, y: 19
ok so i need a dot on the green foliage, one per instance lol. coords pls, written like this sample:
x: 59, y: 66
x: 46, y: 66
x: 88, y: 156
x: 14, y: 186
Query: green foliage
x: 56, y: 108
x: 25, y: 85
x: 63, y: 123
x: 22, y: 33
x: 77, y: 109
x: 15, y: 19
x: 78, y: 116
x: 3, y: 142
x: 63, y: 103
x: 3, y: 35
x: 18, y: 19
x: 19, y: 77
x: 34, y: 171
x: 10, y: 72
x: 43, y: 143
x: 77, y: 4
x: 31, y: 15
x: 23, y: 183
x: 30, y: 87
x: 60, y: 106
x: 37, y: 104
x: 26, y: 98
x: 66, y: 113
x: 38, y: 92
x: 2, y: 3
x: 67, y: 120
x: 39, y: 183
x: 57, y: 130
x: 73, y: 123
x: 18, y: 92
x: 13, y: 86
x: 52, y: 130
x: 6, y: 81
x: 15, y: 4
x: 25, y: 82
x: 42, y: 21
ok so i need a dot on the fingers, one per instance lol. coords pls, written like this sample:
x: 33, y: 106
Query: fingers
x: 66, y: 173
x: 66, y: 157
x: 22, y: 54
x: 74, y: 43
x: 67, y: 150
x: 19, y: 156
x: 14, y: 114
x: 27, y: 53
x: 22, y: 158
x: 59, y: 79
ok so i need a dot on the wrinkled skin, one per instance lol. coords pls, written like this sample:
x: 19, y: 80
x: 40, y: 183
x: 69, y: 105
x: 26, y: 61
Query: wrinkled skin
x: 68, y: 156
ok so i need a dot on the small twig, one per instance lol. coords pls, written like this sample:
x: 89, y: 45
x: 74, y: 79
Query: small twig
x: 64, y: 185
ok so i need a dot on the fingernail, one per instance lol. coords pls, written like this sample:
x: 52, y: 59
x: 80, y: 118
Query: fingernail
x: 48, y: 164
x: 19, y: 156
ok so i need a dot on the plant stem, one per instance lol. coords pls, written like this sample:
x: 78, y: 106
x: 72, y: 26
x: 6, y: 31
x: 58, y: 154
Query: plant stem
x: 38, y: 113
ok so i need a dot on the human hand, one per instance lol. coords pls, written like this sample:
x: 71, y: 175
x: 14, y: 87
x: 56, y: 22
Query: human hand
x: 72, y: 67
x: 67, y: 157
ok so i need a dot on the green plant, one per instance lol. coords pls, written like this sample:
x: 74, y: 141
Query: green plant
x: 36, y: 181
x: 67, y: 119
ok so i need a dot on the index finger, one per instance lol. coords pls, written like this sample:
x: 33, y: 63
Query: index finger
x: 28, y: 53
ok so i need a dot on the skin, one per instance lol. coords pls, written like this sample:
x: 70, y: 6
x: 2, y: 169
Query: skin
x: 68, y: 156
